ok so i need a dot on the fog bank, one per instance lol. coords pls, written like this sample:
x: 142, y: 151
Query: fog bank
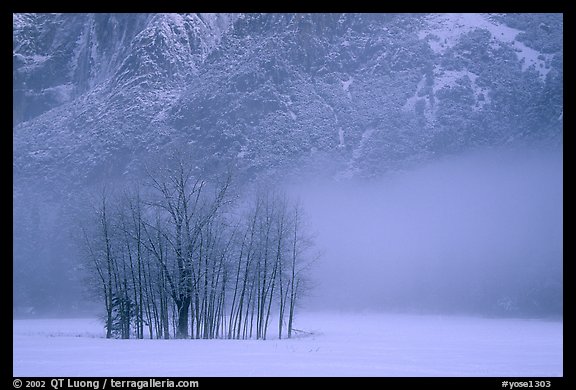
x: 480, y: 233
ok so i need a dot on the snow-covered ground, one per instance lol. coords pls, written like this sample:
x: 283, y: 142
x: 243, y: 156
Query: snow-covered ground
x: 341, y: 345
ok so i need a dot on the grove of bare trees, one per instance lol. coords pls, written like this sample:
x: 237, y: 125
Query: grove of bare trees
x: 178, y: 256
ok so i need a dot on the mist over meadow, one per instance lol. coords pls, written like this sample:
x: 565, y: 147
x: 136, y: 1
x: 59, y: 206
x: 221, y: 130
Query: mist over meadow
x: 474, y: 233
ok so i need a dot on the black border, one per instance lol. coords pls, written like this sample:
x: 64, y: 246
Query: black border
x: 420, y: 382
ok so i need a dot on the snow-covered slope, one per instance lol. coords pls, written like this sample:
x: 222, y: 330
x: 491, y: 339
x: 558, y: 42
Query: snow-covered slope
x: 444, y: 31
x: 59, y: 57
x: 369, y: 92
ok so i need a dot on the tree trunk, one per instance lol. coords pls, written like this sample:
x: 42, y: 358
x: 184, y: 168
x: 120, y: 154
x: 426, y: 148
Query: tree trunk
x: 182, y: 305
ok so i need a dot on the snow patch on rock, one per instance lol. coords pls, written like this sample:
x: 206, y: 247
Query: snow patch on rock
x: 443, y: 31
x: 346, y: 85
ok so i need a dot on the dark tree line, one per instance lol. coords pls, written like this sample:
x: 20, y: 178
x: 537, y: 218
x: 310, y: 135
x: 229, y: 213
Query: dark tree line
x: 177, y: 256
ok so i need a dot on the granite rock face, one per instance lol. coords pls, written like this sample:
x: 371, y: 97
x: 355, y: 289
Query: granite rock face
x: 346, y: 94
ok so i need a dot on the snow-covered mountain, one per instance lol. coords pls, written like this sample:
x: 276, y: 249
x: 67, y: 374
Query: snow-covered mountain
x: 94, y: 94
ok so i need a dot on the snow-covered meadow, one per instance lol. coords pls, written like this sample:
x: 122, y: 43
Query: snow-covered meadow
x: 340, y: 344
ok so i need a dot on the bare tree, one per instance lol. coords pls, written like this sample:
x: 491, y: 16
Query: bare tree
x: 189, y: 208
x: 170, y: 254
x: 301, y: 259
x: 97, y: 242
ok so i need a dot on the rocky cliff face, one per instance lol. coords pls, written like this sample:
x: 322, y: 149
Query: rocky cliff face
x: 93, y: 94
x: 59, y: 57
